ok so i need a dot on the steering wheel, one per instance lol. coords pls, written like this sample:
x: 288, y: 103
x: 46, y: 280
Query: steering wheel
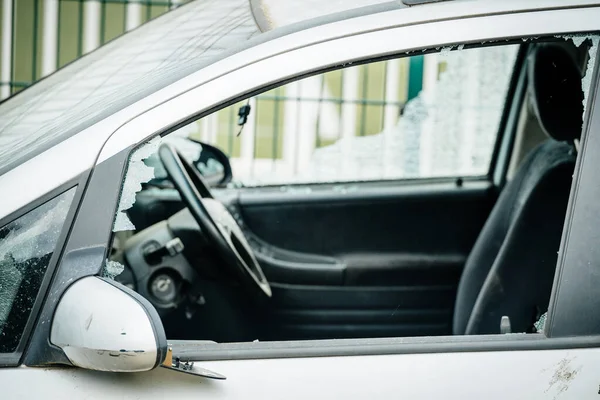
x: 215, y: 221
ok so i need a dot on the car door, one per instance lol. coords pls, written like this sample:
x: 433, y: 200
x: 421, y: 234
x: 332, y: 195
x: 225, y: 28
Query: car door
x: 560, y: 362
x: 352, y: 246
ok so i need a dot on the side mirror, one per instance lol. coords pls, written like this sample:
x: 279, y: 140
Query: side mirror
x: 102, y: 325
x: 214, y: 166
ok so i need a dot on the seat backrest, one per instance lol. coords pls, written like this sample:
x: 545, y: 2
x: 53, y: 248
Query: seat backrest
x: 511, y: 267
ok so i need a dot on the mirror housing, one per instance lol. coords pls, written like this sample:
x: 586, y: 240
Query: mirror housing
x: 105, y: 326
x: 213, y: 165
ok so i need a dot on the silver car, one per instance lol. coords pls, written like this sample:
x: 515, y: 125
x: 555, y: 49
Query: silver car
x: 425, y: 227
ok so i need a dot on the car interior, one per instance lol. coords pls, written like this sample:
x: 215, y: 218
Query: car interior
x: 394, y: 259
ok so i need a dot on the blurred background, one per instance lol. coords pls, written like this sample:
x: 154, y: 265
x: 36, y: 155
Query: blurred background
x: 40, y: 36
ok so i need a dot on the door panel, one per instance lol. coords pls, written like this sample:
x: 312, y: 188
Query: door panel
x: 320, y: 312
x: 371, y: 263
x: 538, y: 374
x: 414, y: 218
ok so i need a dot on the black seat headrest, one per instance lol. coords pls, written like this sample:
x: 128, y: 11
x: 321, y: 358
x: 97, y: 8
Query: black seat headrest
x: 556, y: 91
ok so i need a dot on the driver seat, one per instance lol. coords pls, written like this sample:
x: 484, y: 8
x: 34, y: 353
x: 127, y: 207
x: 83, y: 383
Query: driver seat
x: 510, y: 270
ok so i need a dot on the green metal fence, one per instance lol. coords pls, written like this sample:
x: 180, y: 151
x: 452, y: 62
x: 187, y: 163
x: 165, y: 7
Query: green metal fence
x: 40, y: 36
x: 368, y: 95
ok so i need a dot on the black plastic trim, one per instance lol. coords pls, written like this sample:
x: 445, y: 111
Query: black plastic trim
x: 84, y: 254
x: 212, y: 152
x: 506, y: 138
x: 262, y: 197
x: 306, y: 269
x: 211, y: 351
x: 512, y: 97
x: 10, y: 359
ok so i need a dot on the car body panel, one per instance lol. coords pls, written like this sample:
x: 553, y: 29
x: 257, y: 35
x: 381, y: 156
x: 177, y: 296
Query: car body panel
x: 554, y: 374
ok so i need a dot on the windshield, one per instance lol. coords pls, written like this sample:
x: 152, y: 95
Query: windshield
x: 119, y: 74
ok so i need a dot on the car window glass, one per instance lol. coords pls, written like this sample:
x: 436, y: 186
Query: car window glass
x: 26, y: 247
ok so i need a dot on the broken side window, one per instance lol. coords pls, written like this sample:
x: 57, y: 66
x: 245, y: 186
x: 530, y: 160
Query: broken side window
x: 26, y: 247
x: 143, y: 167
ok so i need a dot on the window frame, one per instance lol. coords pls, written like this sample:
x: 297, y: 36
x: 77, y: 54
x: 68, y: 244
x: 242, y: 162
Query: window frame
x: 228, y: 88
x: 15, y: 358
